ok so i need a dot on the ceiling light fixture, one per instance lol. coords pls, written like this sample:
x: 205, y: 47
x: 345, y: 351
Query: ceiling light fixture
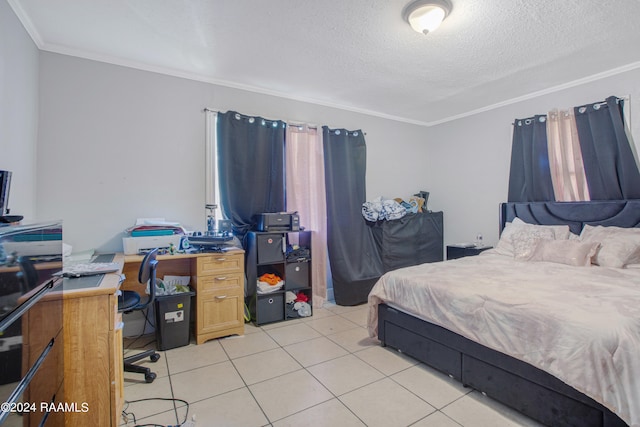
x: 425, y: 16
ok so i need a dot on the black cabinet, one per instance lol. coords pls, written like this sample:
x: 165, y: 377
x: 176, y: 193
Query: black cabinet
x: 283, y: 255
x: 459, y: 251
x: 411, y: 240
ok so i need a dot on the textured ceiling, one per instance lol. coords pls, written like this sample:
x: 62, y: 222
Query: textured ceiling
x: 354, y: 54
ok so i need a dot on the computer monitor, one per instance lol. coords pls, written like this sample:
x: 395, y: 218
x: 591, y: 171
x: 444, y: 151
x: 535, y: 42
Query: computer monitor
x: 5, y: 184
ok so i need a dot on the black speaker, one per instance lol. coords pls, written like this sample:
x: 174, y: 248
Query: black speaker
x: 224, y: 226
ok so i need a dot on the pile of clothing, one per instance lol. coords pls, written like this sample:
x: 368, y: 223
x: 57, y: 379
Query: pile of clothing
x: 297, y: 253
x: 297, y: 304
x: 269, y: 282
x: 389, y: 209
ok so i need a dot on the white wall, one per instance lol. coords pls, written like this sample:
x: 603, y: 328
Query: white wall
x: 469, y: 158
x: 118, y: 143
x: 18, y: 112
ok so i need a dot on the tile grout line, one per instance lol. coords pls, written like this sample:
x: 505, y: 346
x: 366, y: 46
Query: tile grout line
x: 305, y: 368
x: 320, y: 382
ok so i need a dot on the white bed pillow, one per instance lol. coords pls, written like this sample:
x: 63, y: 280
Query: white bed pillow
x: 518, y: 239
x: 618, y: 246
x: 569, y: 252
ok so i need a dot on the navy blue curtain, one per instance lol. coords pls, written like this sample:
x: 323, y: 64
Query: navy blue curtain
x: 609, y: 164
x: 250, y: 167
x: 530, y: 175
x: 355, y: 262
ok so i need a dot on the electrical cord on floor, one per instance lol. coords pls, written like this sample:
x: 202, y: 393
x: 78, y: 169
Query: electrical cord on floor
x: 145, y: 312
x: 146, y: 318
x: 130, y: 416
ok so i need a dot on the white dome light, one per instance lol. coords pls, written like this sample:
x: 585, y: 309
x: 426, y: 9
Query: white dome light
x: 425, y: 16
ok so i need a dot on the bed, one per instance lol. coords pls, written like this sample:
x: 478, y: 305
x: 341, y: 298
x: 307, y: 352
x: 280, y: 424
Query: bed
x: 565, y: 352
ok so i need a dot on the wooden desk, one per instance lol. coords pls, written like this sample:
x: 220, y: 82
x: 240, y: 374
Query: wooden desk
x: 92, y: 363
x: 217, y: 278
x: 91, y: 366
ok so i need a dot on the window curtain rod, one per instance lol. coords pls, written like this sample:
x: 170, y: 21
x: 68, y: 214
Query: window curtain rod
x: 245, y: 115
x: 618, y: 99
x: 295, y: 123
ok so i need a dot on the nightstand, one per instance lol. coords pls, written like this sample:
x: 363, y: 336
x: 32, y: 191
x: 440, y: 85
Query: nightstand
x: 459, y: 251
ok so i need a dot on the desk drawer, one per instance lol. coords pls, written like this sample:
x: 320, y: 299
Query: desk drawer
x: 220, y: 281
x: 220, y: 263
x: 220, y: 311
x: 47, y: 380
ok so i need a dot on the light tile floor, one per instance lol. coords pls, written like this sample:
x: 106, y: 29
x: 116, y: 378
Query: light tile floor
x: 319, y: 371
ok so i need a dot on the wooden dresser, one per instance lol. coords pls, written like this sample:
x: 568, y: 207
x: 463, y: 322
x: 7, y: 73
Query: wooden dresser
x: 89, y: 365
x: 43, y: 327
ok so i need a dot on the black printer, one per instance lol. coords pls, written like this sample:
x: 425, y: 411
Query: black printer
x: 277, y: 221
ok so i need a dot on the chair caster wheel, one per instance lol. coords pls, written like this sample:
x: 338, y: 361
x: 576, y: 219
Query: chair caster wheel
x: 149, y: 377
x: 154, y: 357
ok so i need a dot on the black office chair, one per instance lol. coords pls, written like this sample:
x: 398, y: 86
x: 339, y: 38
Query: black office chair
x: 130, y: 301
x: 28, y: 274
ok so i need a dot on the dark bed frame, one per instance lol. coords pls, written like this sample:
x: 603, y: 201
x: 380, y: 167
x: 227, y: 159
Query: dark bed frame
x: 517, y: 384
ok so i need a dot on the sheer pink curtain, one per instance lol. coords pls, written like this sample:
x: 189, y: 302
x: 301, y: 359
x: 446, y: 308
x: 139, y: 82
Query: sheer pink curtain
x: 305, y: 192
x: 565, y: 157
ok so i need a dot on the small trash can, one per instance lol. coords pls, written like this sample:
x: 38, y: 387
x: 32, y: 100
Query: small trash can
x: 172, y: 320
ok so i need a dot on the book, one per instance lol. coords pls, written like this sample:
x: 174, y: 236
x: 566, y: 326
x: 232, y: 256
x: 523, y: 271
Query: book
x: 152, y: 232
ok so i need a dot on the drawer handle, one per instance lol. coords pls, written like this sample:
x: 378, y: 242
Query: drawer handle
x: 221, y: 259
x: 221, y: 278
x: 221, y: 297
x: 23, y: 307
x: 24, y: 382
